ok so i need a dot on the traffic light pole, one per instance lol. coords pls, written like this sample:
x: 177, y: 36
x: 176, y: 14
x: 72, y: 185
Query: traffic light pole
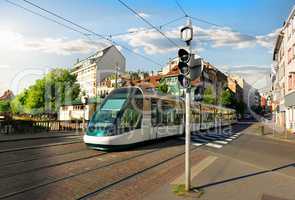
x: 187, y: 141
x: 188, y: 130
x: 190, y: 69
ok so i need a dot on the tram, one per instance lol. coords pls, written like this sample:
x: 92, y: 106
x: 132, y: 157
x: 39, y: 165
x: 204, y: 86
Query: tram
x: 133, y: 115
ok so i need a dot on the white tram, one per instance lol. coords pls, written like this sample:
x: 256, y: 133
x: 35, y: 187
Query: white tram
x: 134, y: 115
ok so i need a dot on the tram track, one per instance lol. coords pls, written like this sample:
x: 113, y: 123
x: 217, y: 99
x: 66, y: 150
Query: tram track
x: 40, y: 158
x: 103, y: 188
x: 51, y: 165
x: 12, y: 157
x: 65, y: 178
x: 39, y: 146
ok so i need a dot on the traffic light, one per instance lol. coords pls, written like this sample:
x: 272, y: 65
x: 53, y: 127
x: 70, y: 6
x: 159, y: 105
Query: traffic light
x: 189, y: 68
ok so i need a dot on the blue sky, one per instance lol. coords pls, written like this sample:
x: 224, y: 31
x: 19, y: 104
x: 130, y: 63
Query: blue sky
x: 30, y: 45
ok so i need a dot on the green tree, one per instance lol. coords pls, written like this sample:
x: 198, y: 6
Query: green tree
x: 228, y: 99
x: 163, y: 87
x: 208, y: 96
x: 17, y: 104
x: 47, y: 94
x: 4, y: 106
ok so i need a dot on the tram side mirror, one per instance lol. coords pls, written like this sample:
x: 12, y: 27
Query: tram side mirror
x: 198, y: 94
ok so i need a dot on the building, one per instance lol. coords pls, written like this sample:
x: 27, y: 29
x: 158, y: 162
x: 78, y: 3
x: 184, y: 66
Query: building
x: 77, y: 110
x: 236, y: 88
x: 283, y: 80
x: 93, y: 70
x: 7, y: 95
x: 247, y: 93
x: 210, y: 77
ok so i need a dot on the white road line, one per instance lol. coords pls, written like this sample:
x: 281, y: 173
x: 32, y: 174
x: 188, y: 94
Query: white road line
x: 197, y: 144
x: 221, y: 142
x: 217, y: 146
x: 228, y: 139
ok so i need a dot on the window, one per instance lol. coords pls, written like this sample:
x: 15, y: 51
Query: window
x: 64, y: 108
x: 168, y: 113
x: 290, y: 82
x: 290, y: 55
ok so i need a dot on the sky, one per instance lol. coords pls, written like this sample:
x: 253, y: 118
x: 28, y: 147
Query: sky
x: 239, y: 38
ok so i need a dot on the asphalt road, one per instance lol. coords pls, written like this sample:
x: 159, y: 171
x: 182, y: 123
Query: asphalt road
x: 248, y: 167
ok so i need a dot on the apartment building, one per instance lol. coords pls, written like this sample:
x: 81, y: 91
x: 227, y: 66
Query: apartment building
x: 93, y: 70
x: 284, y: 78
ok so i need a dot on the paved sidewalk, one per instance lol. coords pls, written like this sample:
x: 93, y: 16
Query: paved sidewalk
x: 42, y: 135
x: 278, y: 134
x: 231, y: 179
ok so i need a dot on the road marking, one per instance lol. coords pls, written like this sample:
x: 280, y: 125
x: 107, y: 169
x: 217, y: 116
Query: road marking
x: 228, y: 139
x: 217, y: 146
x: 196, y: 170
x: 197, y: 144
x: 221, y: 142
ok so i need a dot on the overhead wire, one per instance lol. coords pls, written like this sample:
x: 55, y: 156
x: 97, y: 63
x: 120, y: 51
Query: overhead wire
x: 147, y: 22
x: 79, y: 26
x: 146, y: 29
x: 181, y: 8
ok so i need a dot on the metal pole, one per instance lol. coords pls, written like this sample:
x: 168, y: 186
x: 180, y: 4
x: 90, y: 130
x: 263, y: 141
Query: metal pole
x: 187, y: 141
x: 83, y: 123
x: 188, y: 132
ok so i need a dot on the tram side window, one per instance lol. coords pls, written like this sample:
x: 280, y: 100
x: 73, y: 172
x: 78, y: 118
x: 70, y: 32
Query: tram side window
x: 169, y: 114
x: 195, y: 116
x: 154, y: 112
x: 131, y: 117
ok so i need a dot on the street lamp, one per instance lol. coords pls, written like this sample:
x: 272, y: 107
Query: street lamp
x: 84, y: 100
x: 186, y: 33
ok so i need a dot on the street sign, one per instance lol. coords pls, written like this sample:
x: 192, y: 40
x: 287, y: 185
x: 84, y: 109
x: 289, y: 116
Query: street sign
x: 195, y: 67
x: 184, y: 81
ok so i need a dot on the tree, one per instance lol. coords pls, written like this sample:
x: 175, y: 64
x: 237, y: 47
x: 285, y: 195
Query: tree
x: 17, y: 104
x: 163, y: 87
x: 208, y: 97
x: 4, y: 106
x: 228, y: 99
x: 47, y: 94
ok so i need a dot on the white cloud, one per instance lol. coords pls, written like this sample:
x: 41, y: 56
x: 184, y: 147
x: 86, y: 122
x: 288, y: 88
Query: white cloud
x: 268, y: 40
x: 144, y: 15
x: 153, y: 42
x: 59, y: 46
x: 257, y: 75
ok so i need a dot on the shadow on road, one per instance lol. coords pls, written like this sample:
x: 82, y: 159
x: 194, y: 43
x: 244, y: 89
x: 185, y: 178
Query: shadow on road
x: 245, y: 176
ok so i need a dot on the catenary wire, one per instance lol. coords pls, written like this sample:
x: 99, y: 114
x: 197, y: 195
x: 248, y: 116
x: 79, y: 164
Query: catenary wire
x: 93, y: 33
x: 147, y: 22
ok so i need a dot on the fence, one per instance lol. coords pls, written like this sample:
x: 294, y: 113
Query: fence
x: 21, y: 126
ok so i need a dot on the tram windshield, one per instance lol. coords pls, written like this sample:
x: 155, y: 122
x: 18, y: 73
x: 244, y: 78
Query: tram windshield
x: 104, y: 120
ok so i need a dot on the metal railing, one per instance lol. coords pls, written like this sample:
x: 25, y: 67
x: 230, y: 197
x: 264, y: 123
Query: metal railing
x: 21, y: 126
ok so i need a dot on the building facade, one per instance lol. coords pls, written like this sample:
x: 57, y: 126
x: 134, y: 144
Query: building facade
x: 283, y: 87
x: 93, y: 70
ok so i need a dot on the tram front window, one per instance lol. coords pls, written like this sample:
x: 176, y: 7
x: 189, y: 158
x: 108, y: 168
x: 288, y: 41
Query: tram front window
x: 121, y: 110
x: 102, y: 123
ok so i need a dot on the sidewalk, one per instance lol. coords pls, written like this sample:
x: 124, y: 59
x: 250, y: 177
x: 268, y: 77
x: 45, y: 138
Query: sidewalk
x: 231, y: 179
x: 35, y: 136
x: 278, y: 134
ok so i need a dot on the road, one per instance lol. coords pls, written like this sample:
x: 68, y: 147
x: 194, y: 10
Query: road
x: 63, y: 168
